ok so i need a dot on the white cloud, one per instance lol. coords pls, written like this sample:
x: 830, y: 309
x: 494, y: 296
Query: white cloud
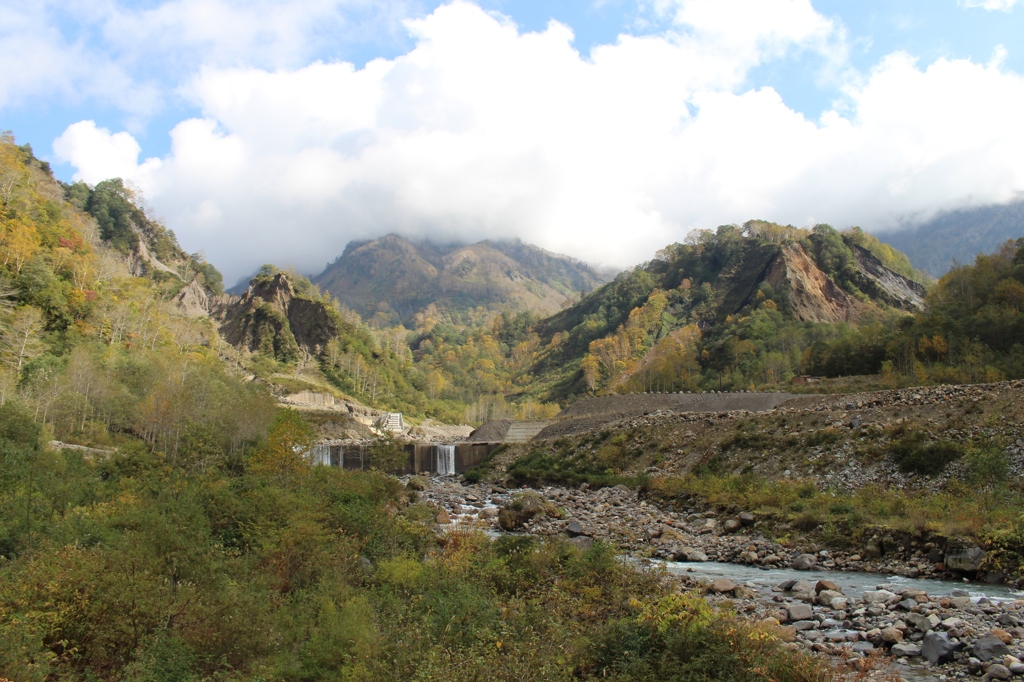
x: 1001, y: 5
x: 482, y: 131
x: 99, y: 154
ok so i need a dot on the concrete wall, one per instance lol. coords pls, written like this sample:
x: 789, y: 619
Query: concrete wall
x: 422, y: 458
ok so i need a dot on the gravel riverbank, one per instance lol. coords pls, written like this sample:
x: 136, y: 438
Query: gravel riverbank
x: 941, y: 633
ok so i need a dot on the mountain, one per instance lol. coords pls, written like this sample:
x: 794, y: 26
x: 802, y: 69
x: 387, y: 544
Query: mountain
x: 736, y: 307
x: 958, y: 236
x: 395, y: 280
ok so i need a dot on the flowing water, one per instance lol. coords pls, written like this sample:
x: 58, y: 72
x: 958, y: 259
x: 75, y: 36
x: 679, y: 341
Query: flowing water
x: 446, y: 460
x: 852, y: 584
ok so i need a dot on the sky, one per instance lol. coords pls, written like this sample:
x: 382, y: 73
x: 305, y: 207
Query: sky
x: 264, y: 131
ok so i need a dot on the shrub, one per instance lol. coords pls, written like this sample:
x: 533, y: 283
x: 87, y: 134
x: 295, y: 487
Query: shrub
x: 913, y: 453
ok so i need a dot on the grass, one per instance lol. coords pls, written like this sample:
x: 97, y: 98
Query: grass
x: 989, y: 515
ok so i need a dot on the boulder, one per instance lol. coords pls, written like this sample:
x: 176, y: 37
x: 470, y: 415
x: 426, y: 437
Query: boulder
x: 935, y: 555
x: 823, y: 585
x: 721, y: 585
x: 748, y: 557
x: 905, y: 649
x: 690, y: 554
x: 582, y: 541
x: 877, y: 596
x: 746, y: 518
x: 800, y: 611
x: 1002, y: 635
x: 731, y: 526
x: 804, y: 562
x: 937, y: 647
x: 892, y: 636
x: 997, y: 671
x: 417, y: 483
x: 574, y: 528
x: 967, y: 559
x: 988, y: 648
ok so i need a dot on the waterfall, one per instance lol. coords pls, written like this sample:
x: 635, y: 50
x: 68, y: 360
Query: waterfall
x: 446, y: 460
x: 322, y: 454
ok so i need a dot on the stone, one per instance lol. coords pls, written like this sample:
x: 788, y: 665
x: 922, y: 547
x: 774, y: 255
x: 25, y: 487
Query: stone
x: 998, y: 671
x: 959, y: 602
x: 786, y: 633
x: 691, y: 554
x: 937, y: 647
x: 825, y: 596
x: 907, y: 604
x: 935, y: 555
x: 731, y: 526
x: 877, y: 596
x: 574, y: 528
x: 747, y: 519
x: 744, y: 592
x: 1002, y: 635
x: 823, y: 585
x: 804, y: 562
x: 905, y: 649
x: 721, y: 585
x: 417, y: 483
x: 967, y: 559
x: 988, y: 648
x: 582, y: 541
x: 839, y: 603
x: 953, y: 623
x: 748, y: 557
x: 891, y: 635
x: 804, y: 625
x: 442, y: 518
x: 800, y: 611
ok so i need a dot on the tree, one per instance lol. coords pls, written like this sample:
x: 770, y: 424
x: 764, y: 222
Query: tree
x: 285, y: 453
x: 20, y: 338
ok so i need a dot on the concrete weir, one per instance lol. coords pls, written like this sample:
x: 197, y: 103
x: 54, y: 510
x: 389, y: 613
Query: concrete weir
x: 423, y: 458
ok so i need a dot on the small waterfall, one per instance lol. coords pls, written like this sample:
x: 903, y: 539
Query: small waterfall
x: 446, y: 460
x: 322, y: 454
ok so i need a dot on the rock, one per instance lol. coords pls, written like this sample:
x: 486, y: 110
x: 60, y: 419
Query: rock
x: 823, y: 585
x: 997, y: 671
x: 936, y: 647
x: 489, y: 513
x: 747, y: 519
x: 804, y: 562
x: 923, y: 623
x: 877, y: 596
x: 1002, y: 635
x: 804, y: 625
x: 826, y: 596
x: 574, y: 528
x: 905, y: 649
x: 582, y: 541
x: 690, y: 554
x: 786, y: 633
x: 839, y: 603
x: 907, y: 604
x: 892, y: 636
x: 748, y: 557
x: 953, y: 623
x: 417, y: 483
x: 967, y: 559
x: 442, y: 518
x: 721, y: 585
x: 800, y: 611
x: 744, y: 592
x: 731, y: 526
x: 935, y: 555
x: 988, y: 648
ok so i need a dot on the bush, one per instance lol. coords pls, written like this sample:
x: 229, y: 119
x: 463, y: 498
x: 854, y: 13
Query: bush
x: 913, y: 453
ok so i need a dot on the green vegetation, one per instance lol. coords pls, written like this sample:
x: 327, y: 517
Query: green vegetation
x: 914, y: 453
x: 213, y: 564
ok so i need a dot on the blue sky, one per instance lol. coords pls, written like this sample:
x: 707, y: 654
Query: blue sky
x: 871, y: 93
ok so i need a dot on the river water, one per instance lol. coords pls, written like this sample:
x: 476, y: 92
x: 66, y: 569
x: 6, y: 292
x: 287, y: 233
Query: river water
x: 852, y: 584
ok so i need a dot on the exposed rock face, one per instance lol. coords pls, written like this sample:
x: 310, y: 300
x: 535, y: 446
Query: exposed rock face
x: 270, y: 318
x: 814, y: 297
x: 193, y: 300
x: 965, y: 559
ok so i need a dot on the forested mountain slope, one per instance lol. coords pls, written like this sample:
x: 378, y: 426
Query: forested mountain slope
x: 936, y: 245
x: 732, y: 308
x: 392, y: 280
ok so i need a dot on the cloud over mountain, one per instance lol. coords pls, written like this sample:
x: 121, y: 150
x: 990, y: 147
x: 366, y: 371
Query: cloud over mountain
x: 483, y: 130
